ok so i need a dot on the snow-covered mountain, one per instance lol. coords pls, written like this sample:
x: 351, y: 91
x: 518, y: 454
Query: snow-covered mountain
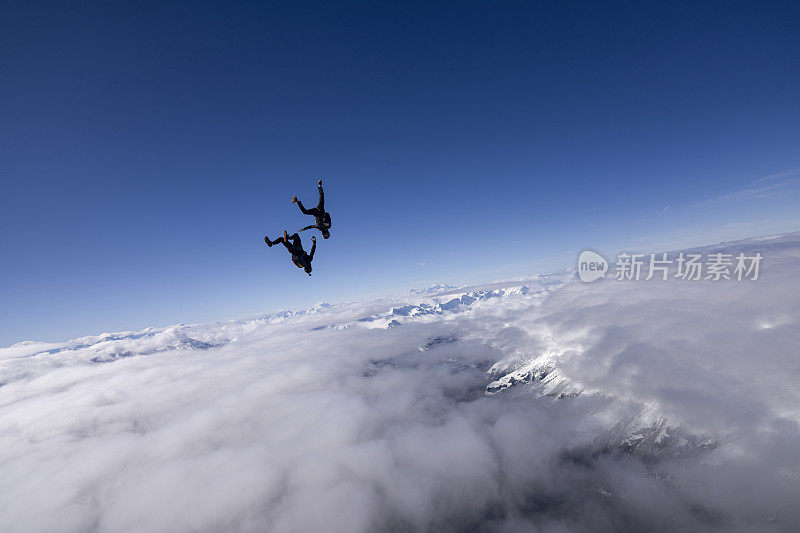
x: 433, y: 289
x: 539, y: 404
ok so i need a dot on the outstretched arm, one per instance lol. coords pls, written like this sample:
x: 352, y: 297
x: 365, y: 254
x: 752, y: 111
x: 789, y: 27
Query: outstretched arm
x: 313, y: 249
x: 312, y: 226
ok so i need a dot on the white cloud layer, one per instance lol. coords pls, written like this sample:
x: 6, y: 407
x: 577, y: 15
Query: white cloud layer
x: 553, y: 406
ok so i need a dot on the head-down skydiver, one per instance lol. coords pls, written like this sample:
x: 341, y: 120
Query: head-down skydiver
x: 321, y: 217
x: 300, y: 258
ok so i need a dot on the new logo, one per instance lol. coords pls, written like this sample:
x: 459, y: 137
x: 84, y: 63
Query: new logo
x: 591, y: 266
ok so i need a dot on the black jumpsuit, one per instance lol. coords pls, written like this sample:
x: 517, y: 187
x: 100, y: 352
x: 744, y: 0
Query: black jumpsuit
x: 300, y: 258
x: 321, y: 217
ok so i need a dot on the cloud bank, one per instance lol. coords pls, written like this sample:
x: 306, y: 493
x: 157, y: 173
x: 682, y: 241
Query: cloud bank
x: 544, y: 405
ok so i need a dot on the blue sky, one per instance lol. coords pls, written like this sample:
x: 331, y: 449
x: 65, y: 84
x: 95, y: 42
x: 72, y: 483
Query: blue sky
x: 147, y: 148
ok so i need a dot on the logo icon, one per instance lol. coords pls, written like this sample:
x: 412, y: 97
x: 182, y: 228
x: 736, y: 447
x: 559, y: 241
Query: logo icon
x: 591, y: 266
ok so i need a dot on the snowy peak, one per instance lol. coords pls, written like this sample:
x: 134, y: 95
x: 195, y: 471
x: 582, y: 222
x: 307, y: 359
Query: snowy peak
x: 433, y: 289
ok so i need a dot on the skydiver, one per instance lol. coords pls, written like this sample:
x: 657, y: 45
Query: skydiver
x: 300, y: 258
x: 322, y: 219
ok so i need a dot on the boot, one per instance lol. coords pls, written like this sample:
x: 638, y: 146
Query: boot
x: 294, y: 199
x: 266, y: 240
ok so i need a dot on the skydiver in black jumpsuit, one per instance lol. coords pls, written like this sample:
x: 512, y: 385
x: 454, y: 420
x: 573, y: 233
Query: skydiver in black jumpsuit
x: 322, y: 219
x: 300, y: 258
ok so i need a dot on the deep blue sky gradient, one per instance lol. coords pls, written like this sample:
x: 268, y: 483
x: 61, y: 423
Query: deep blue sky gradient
x: 145, y: 149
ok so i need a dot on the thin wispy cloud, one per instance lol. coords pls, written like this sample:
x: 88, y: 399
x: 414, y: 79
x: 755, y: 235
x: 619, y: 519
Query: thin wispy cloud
x: 761, y: 190
x: 755, y: 192
x: 778, y: 175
